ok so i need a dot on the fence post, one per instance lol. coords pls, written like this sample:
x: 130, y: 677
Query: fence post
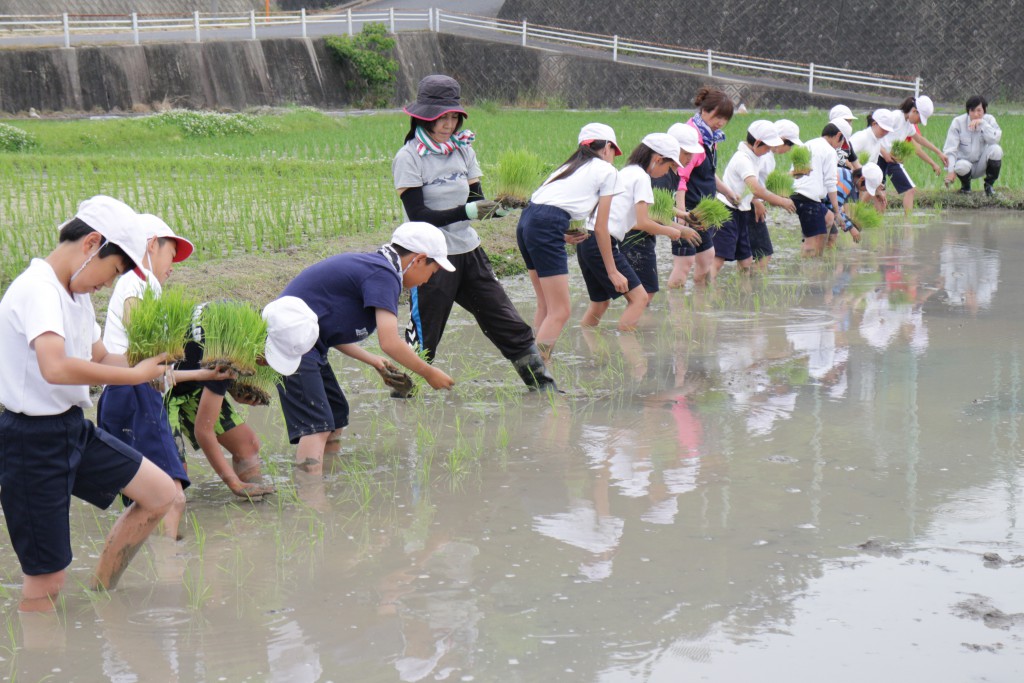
x: 709, y: 62
x: 135, y: 27
x: 302, y: 18
x: 348, y: 14
x: 67, y: 31
x: 810, y: 78
x: 391, y: 19
x: 917, y: 87
x: 437, y: 19
x: 524, y: 31
x: 195, y: 24
x: 615, y: 48
x: 252, y: 24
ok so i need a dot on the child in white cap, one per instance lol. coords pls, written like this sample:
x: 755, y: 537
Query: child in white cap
x: 742, y: 177
x: 760, y: 240
x: 352, y: 295
x: 863, y: 184
x: 579, y: 189
x: 135, y: 414
x: 50, y: 354
x: 653, y: 157
x: 905, y: 119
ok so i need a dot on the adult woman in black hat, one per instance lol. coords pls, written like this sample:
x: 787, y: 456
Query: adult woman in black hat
x: 438, y: 178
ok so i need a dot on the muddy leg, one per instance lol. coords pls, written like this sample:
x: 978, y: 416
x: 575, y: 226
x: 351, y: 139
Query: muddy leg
x: 154, y: 493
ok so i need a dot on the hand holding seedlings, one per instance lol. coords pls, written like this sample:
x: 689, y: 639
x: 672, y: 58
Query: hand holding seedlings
x: 688, y: 234
x: 485, y: 208
x: 399, y: 382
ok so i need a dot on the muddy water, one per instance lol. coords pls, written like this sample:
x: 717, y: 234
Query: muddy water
x: 818, y: 475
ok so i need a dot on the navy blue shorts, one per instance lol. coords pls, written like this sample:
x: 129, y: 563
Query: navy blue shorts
x: 897, y: 174
x: 540, y: 234
x: 732, y: 240
x: 599, y: 286
x: 811, y: 213
x: 639, y: 250
x: 136, y: 416
x: 312, y: 400
x: 43, y: 462
x: 760, y: 240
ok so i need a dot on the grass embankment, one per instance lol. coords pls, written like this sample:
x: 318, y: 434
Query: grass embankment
x: 264, y: 196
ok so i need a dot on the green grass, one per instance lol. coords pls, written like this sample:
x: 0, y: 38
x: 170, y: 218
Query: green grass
x: 304, y: 179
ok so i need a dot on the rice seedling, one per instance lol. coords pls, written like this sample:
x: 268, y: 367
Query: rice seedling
x: 901, y: 150
x: 863, y: 215
x: 711, y: 213
x: 234, y: 334
x: 801, y: 158
x: 779, y: 182
x: 519, y: 173
x: 159, y: 324
x: 257, y: 388
x: 664, y: 208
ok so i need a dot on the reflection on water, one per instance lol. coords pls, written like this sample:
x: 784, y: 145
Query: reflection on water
x: 803, y: 474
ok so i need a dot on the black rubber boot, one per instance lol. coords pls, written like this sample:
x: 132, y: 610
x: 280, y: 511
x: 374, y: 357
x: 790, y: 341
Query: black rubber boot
x: 992, y: 169
x: 965, y: 183
x: 534, y: 372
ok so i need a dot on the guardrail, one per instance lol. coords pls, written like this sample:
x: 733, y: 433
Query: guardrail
x: 439, y: 20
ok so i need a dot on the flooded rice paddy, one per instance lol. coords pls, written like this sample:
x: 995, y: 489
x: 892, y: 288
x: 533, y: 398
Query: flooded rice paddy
x: 817, y: 476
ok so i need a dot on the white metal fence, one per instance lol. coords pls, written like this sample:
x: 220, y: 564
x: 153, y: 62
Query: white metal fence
x: 276, y: 24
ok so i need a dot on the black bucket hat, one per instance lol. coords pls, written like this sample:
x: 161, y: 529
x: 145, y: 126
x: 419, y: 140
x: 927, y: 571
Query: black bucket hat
x: 436, y: 96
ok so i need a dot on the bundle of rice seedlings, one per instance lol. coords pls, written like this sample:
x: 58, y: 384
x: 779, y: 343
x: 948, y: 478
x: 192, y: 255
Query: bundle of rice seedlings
x: 234, y: 334
x: 159, y: 324
x: 863, y: 215
x: 901, y: 150
x: 258, y: 388
x: 711, y: 213
x: 801, y: 158
x: 663, y: 210
x: 779, y: 182
x: 519, y: 173
x: 577, y: 226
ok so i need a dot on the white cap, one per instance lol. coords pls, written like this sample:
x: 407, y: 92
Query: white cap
x: 844, y: 127
x: 154, y: 226
x: 687, y: 136
x: 598, y: 131
x: 872, y: 177
x: 925, y: 108
x: 766, y: 132
x: 788, y: 131
x: 292, y: 329
x: 117, y: 222
x: 664, y: 144
x: 841, y: 111
x: 883, y: 118
x: 423, y: 238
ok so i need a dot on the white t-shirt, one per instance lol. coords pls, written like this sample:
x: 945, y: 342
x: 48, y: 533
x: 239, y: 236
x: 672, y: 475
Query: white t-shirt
x: 636, y: 187
x: 866, y: 145
x: 578, y: 194
x: 129, y: 286
x: 35, y: 303
x: 822, y: 179
x: 904, y: 129
x: 765, y: 168
x: 744, y: 164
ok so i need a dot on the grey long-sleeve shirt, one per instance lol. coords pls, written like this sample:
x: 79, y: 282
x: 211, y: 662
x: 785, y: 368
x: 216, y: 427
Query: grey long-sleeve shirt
x: 964, y: 143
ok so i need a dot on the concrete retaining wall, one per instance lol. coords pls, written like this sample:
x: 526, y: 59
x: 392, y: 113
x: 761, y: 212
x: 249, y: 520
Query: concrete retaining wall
x: 240, y: 74
x: 42, y: 7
